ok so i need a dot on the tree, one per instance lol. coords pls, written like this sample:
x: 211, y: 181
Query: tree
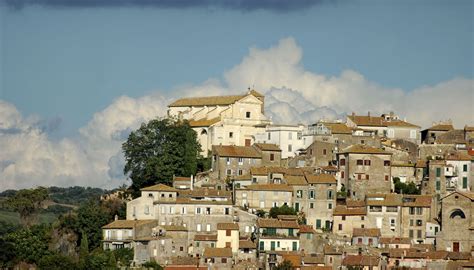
x: 56, y: 262
x: 30, y: 244
x: 282, y: 210
x: 28, y: 202
x: 158, y: 150
x: 403, y: 188
x: 260, y: 213
x: 285, y: 265
x: 84, y: 248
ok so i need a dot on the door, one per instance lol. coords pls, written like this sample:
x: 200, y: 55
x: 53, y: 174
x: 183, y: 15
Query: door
x: 456, y: 246
x: 297, y: 207
x: 272, y: 245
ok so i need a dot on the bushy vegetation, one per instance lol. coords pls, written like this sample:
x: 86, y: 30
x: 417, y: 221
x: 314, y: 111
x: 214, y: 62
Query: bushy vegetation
x: 282, y: 210
x: 405, y: 188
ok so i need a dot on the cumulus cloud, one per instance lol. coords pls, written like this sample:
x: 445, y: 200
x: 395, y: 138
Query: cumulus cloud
x: 293, y: 95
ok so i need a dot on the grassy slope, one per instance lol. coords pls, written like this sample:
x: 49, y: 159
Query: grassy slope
x: 12, y: 217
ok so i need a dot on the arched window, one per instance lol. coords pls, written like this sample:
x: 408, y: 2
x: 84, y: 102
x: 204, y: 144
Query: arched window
x: 204, y: 132
x: 457, y: 213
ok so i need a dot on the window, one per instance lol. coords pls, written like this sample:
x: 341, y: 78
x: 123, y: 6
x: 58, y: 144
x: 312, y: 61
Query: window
x: 411, y: 210
x: 227, y: 211
x: 438, y: 185
x: 457, y: 213
x: 339, y: 227
x: 359, y: 176
x: 227, y: 160
x: 208, y: 227
x: 311, y: 205
x: 330, y: 194
x: 324, y: 151
x: 208, y: 210
x: 419, y: 211
x: 147, y: 210
x: 419, y: 222
x: 412, y: 222
x: 343, y: 217
x: 247, y: 114
x: 359, y: 240
x: 299, y: 194
x: 198, y: 210
x: 261, y: 245
x: 240, y: 172
x: 464, y: 168
x: 318, y: 224
x: 329, y: 205
x: 438, y: 172
x: 162, y: 195
x: 290, y: 232
x: 181, y: 248
x: 387, y: 177
x: 198, y: 227
x: 392, y: 222
x: 311, y: 194
x: 269, y: 136
x: 290, y: 135
x: 227, y: 232
x: 342, y: 175
x: 371, y: 241
x: 241, y: 161
x: 362, y: 218
x: 224, y: 260
x: 231, y: 135
x: 213, y: 245
x: 464, y: 182
x: 410, y: 233
x: 290, y: 148
x: 419, y: 234
x: 367, y: 162
x: 183, y: 210
x: 228, y: 172
x: 360, y: 162
x: 375, y: 208
x: 272, y: 157
x: 254, y: 180
x: 366, y: 177
x: 295, y: 246
x: 170, y: 195
x: 386, y: 162
x: 392, y: 209
x: 412, y: 134
x: 342, y: 162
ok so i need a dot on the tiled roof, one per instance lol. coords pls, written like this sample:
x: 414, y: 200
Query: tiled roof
x: 268, y: 147
x: 178, y: 260
x: 227, y: 226
x: 338, y: 128
x: 259, y: 170
x: 204, y: 122
x: 306, y: 229
x: 181, y: 178
x: 361, y: 260
x: 270, y: 187
x: 236, y: 151
x: 127, y: 224
x: 468, y: 128
x: 315, y: 267
x: 296, y: 180
x: 176, y: 228
x: 206, y: 101
x: 441, y: 127
x: 365, y: 120
x: 342, y: 210
x: 390, y: 199
x: 247, y: 244
x: 159, y: 187
x: 420, y: 163
x: 205, y: 237
x: 367, y: 232
x: 355, y: 203
x: 205, y: 192
x: 201, y: 202
x: 295, y: 259
x: 287, y: 217
x: 400, y: 123
x: 330, y: 168
x: 275, y: 223
x: 459, y: 157
x: 469, y: 195
x: 364, y: 149
x: 332, y: 250
x: 395, y: 240
x: 313, y: 259
x: 320, y: 178
x: 417, y: 200
x: 217, y: 252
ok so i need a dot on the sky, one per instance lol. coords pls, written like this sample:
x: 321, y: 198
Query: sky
x: 77, y: 76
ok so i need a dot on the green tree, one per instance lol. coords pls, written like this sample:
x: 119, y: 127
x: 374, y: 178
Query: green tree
x: 404, y: 188
x: 56, y: 262
x: 152, y: 264
x: 124, y: 256
x: 158, y: 150
x: 282, y: 210
x: 260, y: 213
x: 30, y: 244
x: 84, y: 248
x: 285, y: 265
x: 28, y: 202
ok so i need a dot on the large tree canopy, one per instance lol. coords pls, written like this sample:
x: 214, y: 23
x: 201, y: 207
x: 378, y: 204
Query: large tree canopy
x: 158, y: 150
x: 27, y: 202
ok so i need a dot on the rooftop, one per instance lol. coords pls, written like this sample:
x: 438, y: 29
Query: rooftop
x: 159, y: 187
x: 227, y: 226
x: 236, y: 151
x: 364, y: 149
x: 366, y: 232
x: 217, y: 252
x: 127, y: 224
x: 211, y: 100
x: 268, y: 147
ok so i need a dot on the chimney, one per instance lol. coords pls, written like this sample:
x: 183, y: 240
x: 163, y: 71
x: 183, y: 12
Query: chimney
x: 116, y: 217
x: 192, y: 182
x: 368, y: 114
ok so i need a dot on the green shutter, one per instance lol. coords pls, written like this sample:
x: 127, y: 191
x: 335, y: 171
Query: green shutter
x: 272, y: 245
x: 438, y: 172
x: 464, y: 182
x: 262, y: 245
x: 290, y: 232
x: 438, y: 185
x: 295, y: 246
x: 464, y: 168
x: 318, y: 224
x: 297, y: 207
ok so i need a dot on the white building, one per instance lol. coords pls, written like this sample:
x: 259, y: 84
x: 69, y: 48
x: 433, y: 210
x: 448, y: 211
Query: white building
x: 459, y: 173
x: 223, y: 120
x: 288, y: 137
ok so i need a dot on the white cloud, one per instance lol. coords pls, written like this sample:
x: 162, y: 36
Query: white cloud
x: 293, y: 94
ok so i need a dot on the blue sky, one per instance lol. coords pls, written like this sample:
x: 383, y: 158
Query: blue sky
x: 69, y: 62
x: 76, y: 76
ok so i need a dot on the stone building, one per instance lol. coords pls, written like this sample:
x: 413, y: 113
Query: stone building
x: 321, y: 153
x: 122, y: 233
x: 457, y: 220
x: 417, y: 212
x: 264, y: 196
x: 383, y: 212
x: 228, y: 236
x: 366, y: 236
x: 226, y: 120
x: 430, y: 135
x: 349, y: 216
x: 288, y: 137
x: 364, y: 169
x: 460, y: 177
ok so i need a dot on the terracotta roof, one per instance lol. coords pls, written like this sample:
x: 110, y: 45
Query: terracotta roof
x: 205, y: 237
x: 306, y: 229
x: 270, y: 187
x: 227, y: 226
x: 420, y: 163
x: 159, y: 187
x: 268, y: 147
x: 365, y: 120
x: 355, y: 203
x: 185, y: 267
x: 296, y: 180
x: 206, y: 101
x: 275, y: 223
x: 342, y: 210
x: 217, y: 252
x: 127, y: 224
x: 320, y: 178
x: 400, y: 123
x: 459, y: 157
x: 395, y: 240
x: 330, y: 168
x: 441, y: 127
x: 364, y: 149
x: 203, y: 122
x: 389, y: 199
x: 417, y: 200
x: 338, y: 128
x: 469, y: 195
x: 179, y: 261
x: 205, y: 192
x: 294, y: 259
x: 176, y: 228
x: 332, y: 250
x: 255, y: 93
x: 242, y: 177
x: 194, y: 201
x: 236, y: 151
x: 361, y: 260
x: 313, y: 259
x: 468, y: 128
x: 259, y: 171
x: 367, y: 232
x: 247, y: 244
x: 287, y: 217
x: 181, y: 178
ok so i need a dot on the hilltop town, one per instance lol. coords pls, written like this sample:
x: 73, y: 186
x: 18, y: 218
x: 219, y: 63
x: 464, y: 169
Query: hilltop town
x: 366, y: 192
